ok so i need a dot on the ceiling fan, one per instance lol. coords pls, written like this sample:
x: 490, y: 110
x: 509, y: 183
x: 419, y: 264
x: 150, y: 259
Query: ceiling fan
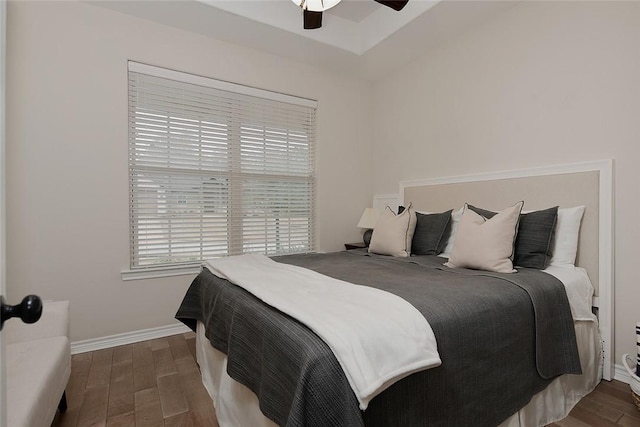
x: 312, y: 9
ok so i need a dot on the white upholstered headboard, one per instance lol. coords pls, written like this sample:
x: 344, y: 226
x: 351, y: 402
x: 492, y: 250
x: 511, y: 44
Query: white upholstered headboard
x: 589, y: 184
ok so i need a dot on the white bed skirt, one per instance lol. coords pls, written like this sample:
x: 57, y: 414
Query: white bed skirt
x: 237, y: 406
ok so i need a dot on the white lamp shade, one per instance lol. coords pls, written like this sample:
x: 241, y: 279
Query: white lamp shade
x: 369, y: 218
x: 316, y: 5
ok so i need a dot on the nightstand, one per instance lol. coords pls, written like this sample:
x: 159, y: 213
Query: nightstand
x: 358, y: 245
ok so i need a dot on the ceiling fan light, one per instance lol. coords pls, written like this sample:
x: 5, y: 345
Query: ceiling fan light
x: 311, y: 20
x: 396, y: 5
x: 316, y: 5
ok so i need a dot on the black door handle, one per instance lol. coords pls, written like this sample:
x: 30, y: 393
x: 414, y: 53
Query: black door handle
x: 29, y: 310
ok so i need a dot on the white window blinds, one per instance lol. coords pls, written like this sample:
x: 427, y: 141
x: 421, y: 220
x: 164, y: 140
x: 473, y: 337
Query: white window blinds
x: 217, y: 169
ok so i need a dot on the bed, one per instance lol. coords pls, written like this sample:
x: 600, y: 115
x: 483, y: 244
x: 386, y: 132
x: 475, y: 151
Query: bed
x: 263, y: 368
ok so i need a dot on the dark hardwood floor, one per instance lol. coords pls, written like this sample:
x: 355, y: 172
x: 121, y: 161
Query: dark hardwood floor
x: 610, y: 404
x: 157, y: 383
x: 151, y: 383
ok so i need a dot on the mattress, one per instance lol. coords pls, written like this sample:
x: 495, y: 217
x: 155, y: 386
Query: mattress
x: 231, y: 398
x: 237, y: 406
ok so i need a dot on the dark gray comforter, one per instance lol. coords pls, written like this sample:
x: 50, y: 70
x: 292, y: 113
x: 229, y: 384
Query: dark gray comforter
x: 501, y: 338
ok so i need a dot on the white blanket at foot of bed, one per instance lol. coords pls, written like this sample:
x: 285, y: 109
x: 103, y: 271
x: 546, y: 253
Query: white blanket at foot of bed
x: 374, y: 351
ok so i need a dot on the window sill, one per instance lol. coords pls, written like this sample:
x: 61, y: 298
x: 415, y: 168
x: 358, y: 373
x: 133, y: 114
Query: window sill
x: 157, y: 272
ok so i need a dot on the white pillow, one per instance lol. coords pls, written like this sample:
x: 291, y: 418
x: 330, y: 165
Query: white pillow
x: 565, y: 240
x: 486, y: 244
x: 455, y: 220
x: 393, y: 233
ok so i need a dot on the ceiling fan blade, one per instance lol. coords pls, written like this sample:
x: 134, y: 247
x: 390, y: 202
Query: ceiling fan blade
x: 393, y: 4
x: 311, y: 20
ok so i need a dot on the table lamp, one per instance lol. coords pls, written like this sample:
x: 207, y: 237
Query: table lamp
x: 368, y: 220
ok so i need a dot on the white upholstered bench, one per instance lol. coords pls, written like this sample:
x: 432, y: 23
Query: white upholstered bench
x: 38, y: 366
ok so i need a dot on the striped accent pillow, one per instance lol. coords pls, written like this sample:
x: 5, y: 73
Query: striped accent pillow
x: 638, y: 345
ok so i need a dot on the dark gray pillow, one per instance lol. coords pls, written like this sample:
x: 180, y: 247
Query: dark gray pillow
x: 430, y: 235
x: 534, y: 238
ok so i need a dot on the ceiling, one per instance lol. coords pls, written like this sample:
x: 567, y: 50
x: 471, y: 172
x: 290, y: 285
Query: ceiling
x: 352, y: 25
x: 358, y: 37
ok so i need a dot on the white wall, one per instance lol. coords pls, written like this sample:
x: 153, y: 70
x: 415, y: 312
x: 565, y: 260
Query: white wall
x: 544, y: 83
x: 67, y: 170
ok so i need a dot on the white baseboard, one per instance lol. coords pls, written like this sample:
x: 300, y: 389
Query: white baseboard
x: 127, y: 338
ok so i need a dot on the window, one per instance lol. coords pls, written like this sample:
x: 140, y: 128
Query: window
x: 216, y: 169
